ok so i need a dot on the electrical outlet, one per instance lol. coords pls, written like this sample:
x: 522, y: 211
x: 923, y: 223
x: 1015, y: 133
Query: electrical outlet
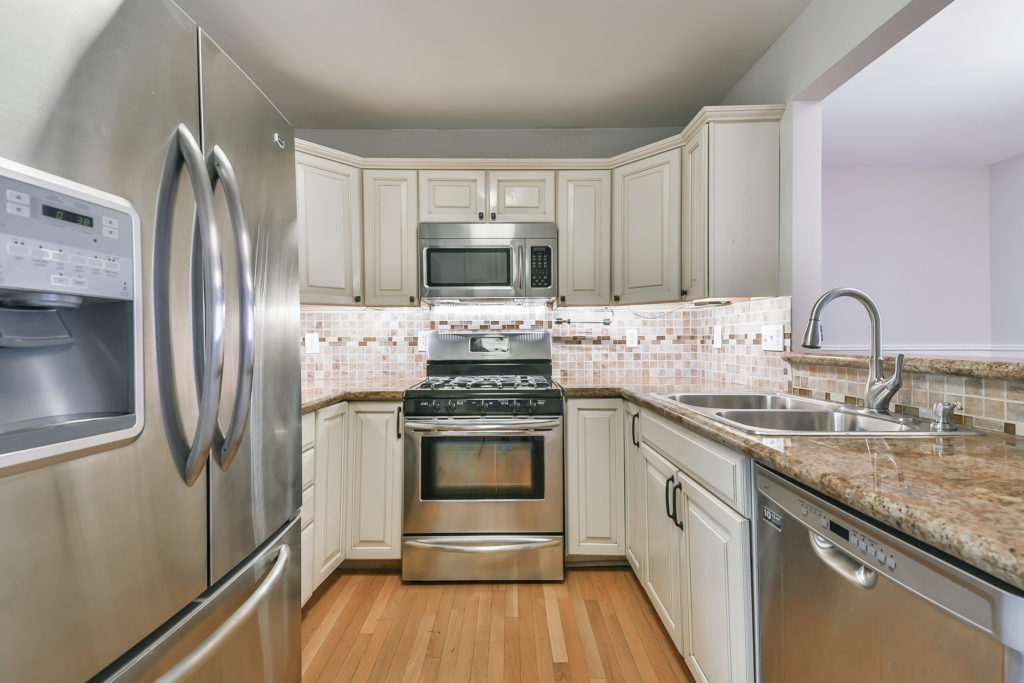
x: 421, y: 340
x: 772, y: 338
x: 632, y: 338
x: 716, y: 336
x: 312, y: 342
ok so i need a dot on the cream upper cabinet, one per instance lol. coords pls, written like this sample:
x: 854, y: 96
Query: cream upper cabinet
x: 594, y: 498
x: 521, y: 196
x: 374, y: 480
x: 328, y: 491
x: 730, y: 244
x: 645, y: 230
x: 329, y: 218
x: 717, y: 611
x: 453, y: 196
x: 584, y: 237
x: 634, y: 467
x: 487, y: 196
x: 389, y: 236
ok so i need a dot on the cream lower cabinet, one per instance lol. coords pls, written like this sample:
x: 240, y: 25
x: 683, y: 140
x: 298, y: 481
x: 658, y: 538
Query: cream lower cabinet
x: 700, y: 545
x: 389, y: 237
x: 645, y: 230
x: 584, y: 237
x: 329, y: 492
x: 308, y: 509
x: 661, y: 567
x: 374, y: 482
x: 329, y: 220
x: 634, y: 466
x: 594, y: 481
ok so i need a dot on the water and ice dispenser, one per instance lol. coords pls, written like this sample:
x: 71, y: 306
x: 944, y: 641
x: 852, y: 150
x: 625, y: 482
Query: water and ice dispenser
x: 70, y: 317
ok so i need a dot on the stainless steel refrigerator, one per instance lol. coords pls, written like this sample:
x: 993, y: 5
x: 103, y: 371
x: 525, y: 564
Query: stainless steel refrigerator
x: 149, y: 419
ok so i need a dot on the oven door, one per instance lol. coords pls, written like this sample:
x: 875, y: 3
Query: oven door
x: 469, y: 268
x: 478, y: 475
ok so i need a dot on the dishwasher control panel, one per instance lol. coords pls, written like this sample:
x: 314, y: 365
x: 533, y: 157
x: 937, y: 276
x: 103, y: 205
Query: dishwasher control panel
x: 869, y: 550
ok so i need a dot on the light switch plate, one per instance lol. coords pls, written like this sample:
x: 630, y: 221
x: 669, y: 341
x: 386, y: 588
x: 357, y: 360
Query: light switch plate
x: 312, y: 342
x: 716, y: 336
x: 632, y: 338
x: 772, y: 338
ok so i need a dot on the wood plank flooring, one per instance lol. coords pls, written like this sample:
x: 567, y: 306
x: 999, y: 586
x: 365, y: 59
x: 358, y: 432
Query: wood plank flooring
x: 595, y: 626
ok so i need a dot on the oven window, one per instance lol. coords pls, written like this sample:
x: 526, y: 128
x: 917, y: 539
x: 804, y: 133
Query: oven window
x: 482, y: 468
x: 469, y: 267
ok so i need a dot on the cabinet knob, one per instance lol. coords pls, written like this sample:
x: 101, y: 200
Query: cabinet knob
x: 616, y: 297
x: 412, y: 299
x: 494, y: 216
x: 562, y: 298
x: 358, y: 299
x: 481, y: 215
x: 683, y: 292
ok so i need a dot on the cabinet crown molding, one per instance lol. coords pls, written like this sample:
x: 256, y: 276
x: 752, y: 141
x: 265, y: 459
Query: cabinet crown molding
x: 722, y: 114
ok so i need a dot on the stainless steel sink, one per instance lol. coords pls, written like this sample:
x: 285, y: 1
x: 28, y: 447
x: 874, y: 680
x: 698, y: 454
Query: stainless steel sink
x: 773, y: 414
x: 745, y: 401
x: 816, y: 421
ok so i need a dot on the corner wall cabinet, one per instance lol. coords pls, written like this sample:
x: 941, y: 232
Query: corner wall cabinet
x: 594, y: 497
x: 329, y: 219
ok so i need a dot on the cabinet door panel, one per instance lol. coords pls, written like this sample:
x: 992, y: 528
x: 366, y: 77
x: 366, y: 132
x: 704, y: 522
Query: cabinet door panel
x: 329, y: 197
x: 375, y: 486
x: 521, y: 196
x: 306, y: 550
x: 695, y: 216
x: 718, y: 643
x: 584, y: 237
x: 594, y: 478
x: 661, y: 543
x: 634, y: 466
x: 453, y: 196
x: 646, y: 230
x: 389, y: 235
x: 328, y: 491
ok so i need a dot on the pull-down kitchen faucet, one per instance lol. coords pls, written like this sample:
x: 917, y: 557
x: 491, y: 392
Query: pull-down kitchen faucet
x: 880, y: 389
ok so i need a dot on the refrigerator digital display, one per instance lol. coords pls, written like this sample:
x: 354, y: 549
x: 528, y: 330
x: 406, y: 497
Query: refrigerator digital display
x: 69, y: 216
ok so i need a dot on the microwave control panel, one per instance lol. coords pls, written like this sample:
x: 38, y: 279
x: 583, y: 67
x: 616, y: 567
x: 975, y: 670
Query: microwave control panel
x: 540, y: 267
x: 64, y: 238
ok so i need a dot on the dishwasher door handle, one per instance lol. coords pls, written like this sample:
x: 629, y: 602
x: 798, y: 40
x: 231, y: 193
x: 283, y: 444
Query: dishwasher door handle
x: 847, y: 567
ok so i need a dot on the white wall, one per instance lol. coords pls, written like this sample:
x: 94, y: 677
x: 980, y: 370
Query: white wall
x: 916, y: 239
x: 547, y: 143
x: 1006, y: 214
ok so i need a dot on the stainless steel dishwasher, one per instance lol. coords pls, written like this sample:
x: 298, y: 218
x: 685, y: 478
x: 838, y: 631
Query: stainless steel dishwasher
x: 842, y: 599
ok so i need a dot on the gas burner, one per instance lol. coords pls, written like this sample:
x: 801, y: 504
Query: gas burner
x: 472, y: 382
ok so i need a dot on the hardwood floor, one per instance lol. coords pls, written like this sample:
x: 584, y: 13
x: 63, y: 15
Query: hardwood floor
x: 595, y: 626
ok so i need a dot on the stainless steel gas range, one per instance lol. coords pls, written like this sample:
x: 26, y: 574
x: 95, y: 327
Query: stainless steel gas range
x: 483, y: 462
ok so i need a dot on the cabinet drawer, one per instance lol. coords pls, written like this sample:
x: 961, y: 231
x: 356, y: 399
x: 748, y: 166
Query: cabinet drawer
x: 724, y: 472
x: 307, y: 507
x: 308, y: 430
x: 307, y: 469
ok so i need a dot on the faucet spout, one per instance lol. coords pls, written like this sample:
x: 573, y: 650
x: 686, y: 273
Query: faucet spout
x: 880, y: 389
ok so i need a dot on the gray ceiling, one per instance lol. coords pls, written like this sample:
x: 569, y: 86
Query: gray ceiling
x: 485, y: 64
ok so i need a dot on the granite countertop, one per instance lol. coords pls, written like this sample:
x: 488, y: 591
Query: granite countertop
x: 316, y: 399
x: 963, y: 495
x: 991, y: 367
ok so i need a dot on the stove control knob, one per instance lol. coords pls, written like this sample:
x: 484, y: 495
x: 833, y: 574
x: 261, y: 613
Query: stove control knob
x: 450, y: 406
x: 532, y: 406
x: 435, y: 407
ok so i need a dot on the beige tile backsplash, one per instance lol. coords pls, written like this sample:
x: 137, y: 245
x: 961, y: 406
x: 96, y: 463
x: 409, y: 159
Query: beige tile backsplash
x: 994, y: 404
x: 379, y: 348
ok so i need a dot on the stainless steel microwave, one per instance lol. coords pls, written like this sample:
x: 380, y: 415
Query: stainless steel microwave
x: 488, y: 261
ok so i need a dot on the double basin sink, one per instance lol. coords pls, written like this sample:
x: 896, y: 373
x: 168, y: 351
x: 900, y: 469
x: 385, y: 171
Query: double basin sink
x: 784, y: 415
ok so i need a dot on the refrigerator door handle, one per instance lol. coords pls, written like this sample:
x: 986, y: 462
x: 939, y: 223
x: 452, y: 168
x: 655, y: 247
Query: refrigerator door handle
x: 228, y: 447
x: 191, y: 457
x: 193, y: 660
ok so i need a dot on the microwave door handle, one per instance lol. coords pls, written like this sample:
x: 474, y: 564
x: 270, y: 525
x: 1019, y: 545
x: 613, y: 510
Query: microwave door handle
x: 522, y: 271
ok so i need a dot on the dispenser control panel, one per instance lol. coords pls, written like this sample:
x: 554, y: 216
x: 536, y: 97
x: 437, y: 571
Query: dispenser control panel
x: 65, y: 239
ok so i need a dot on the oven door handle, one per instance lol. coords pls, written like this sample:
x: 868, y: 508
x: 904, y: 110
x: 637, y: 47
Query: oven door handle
x: 517, y: 426
x: 498, y: 546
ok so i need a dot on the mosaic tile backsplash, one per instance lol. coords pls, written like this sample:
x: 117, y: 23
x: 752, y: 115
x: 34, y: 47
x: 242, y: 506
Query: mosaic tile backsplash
x: 369, y: 348
x: 993, y: 404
